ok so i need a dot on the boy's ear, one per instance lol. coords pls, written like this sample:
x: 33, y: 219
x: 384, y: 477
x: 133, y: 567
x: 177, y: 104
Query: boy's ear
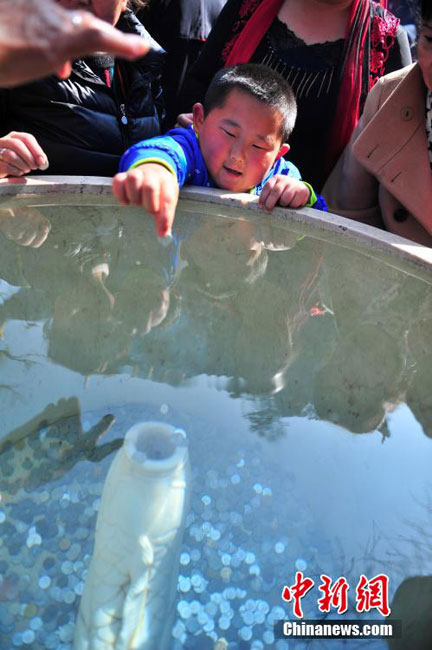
x: 198, y: 115
x: 283, y: 150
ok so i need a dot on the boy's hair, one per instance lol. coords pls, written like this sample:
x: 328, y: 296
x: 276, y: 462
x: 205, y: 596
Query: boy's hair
x: 259, y: 81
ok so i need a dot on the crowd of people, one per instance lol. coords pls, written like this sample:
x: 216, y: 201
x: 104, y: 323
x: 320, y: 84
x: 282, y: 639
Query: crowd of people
x: 243, y: 95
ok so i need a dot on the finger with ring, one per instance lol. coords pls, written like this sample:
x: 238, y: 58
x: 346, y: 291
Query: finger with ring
x: 76, y: 18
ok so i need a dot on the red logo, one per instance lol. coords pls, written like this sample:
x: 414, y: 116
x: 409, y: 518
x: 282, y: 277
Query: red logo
x: 297, y: 591
x: 334, y: 595
x: 370, y: 594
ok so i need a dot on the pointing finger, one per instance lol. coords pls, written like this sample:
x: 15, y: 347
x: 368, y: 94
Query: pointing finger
x: 164, y: 219
x: 90, y: 34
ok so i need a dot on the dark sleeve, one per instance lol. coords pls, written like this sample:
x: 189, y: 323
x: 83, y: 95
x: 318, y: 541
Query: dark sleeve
x: 158, y: 100
x: 400, y: 53
x: 210, y: 59
x: 153, y: 63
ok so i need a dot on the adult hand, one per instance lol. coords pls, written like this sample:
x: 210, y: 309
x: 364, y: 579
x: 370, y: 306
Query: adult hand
x: 41, y: 38
x: 184, y: 119
x: 153, y: 187
x: 20, y: 153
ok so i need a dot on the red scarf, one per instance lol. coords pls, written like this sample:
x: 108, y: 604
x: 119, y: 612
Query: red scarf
x: 348, y: 103
x: 254, y: 31
x: 261, y: 15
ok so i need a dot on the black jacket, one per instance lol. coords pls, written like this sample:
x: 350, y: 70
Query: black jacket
x: 82, y: 124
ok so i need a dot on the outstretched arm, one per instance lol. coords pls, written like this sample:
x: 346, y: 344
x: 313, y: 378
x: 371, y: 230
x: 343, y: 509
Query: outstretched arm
x: 152, y: 171
x: 153, y: 187
x: 41, y: 38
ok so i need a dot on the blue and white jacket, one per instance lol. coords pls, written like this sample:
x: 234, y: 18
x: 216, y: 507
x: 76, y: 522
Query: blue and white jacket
x: 180, y: 152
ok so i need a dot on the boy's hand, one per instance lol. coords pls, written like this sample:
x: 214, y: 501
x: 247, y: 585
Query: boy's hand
x: 285, y: 190
x: 153, y: 187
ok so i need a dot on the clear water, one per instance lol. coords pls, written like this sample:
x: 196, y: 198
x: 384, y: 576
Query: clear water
x: 300, y: 370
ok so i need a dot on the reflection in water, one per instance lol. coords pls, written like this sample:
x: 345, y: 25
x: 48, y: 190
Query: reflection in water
x: 257, y: 341
x: 25, y: 226
x: 129, y: 594
x: 419, y: 394
x: 46, y: 448
x: 273, y: 312
x: 362, y: 379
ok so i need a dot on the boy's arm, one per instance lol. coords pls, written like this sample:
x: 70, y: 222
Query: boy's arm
x: 153, y: 187
x: 151, y: 173
x: 164, y: 150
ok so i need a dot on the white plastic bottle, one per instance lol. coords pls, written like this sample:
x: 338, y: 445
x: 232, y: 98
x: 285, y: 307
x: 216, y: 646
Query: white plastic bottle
x: 129, y: 595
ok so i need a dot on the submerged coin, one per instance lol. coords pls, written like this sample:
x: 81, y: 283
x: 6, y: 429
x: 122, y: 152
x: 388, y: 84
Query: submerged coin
x: 28, y: 636
x: 44, y: 583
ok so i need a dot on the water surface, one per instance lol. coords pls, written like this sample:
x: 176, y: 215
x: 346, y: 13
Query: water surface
x: 299, y: 369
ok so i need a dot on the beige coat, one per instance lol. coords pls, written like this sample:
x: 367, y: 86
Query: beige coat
x: 383, y: 178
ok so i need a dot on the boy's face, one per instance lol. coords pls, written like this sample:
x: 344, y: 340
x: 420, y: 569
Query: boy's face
x: 240, y: 141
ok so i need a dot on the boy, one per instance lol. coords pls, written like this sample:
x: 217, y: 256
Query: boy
x: 237, y: 143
